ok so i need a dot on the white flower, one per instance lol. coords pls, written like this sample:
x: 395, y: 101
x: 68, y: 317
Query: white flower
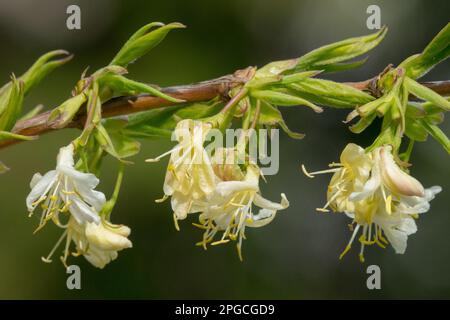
x: 230, y: 209
x: 98, y: 243
x: 68, y: 191
x: 379, y: 196
x: 189, y: 175
x: 65, y: 189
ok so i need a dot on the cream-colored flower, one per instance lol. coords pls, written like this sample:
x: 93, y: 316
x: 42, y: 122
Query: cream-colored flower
x: 189, y: 175
x: 229, y: 209
x: 98, y: 243
x: 381, y: 198
x: 350, y: 175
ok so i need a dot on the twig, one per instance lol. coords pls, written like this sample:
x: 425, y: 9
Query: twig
x: 202, y: 91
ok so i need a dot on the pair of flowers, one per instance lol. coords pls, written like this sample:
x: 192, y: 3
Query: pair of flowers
x: 217, y: 187
x: 67, y: 197
x: 380, y: 198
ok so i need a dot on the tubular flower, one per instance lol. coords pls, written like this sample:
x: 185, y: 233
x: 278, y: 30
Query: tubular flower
x: 63, y: 190
x: 70, y: 192
x: 229, y: 209
x: 350, y: 175
x: 383, y: 204
x: 98, y: 243
x: 189, y: 175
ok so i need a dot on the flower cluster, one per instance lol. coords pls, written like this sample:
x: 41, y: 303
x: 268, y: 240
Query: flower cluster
x: 381, y: 198
x: 222, y: 191
x: 69, y: 194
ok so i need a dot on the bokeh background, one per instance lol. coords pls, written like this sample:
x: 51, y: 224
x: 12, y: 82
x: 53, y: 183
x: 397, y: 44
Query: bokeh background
x: 296, y: 256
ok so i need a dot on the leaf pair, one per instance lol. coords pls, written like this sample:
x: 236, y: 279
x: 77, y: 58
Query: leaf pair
x: 12, y: 94
x: 142, y: 41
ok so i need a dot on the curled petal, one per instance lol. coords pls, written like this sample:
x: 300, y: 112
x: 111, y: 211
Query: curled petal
x: 108, y: 237
x: 40, y: 186
x: 397, y: 180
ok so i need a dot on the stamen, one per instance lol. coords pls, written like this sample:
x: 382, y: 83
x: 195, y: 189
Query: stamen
x: 324, y: 208
x: 164, y: 198
x: 349, y: 245
x: 325, y: 171
x: 48, y: 258
x: 220, y: 242
x: 175, y: 221
x: 381, y: 237
x: 335, y: 164
x: 162, y: 155
x: 201, y: 226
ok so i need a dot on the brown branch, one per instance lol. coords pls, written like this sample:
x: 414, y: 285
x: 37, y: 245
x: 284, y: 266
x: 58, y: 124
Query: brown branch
x: 202, y: 91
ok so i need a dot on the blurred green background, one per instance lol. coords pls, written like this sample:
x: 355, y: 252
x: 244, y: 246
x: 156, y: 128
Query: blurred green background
x: 296, y: 256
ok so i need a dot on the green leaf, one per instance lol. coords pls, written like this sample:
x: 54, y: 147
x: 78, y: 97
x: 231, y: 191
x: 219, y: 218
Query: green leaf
x: 338, y: 67
x: 63, y: 114
x: 333, y: 90
x: 437, y: 134
x: 415, y: 131
x: 123, y: 145
x: 142, y: 41
x: 11, y: 104
x: 437, y: 51
x: 123, y: 86
x: 283, y: 99
x: 339, y: 51
x: 11, y: 135
x: 363, y: 123
x: 275, y: 68
x: 159, y: 123
x: 271, y: 116
x: 426, y: 94
x: 40, y: 69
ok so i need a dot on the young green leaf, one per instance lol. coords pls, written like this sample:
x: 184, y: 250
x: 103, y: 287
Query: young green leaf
x: 340, y: 51
x: 283, y: 99
x: 426, y: 94
x: 63, y: 114
x: 437, y: 51
x: 142, y: 41
x: 271, y: 116
x: 121, y: 85
x: 333, y: 90
x: 11, y: 103
x: 437, y: 134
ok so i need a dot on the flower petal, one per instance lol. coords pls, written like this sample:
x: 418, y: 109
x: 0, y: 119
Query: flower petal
x: 82, y: 212
x: 395, y: 179
x: 40, y: 185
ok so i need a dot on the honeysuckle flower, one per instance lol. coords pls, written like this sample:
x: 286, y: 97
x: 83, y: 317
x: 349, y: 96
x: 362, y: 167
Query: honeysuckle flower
x: 189, y: 175
x: 229, y: 209
x: 98, y: 243
x: 63, y: 190
x: 379, y: 196
x: 350, y: 175
x: 70, y: 192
